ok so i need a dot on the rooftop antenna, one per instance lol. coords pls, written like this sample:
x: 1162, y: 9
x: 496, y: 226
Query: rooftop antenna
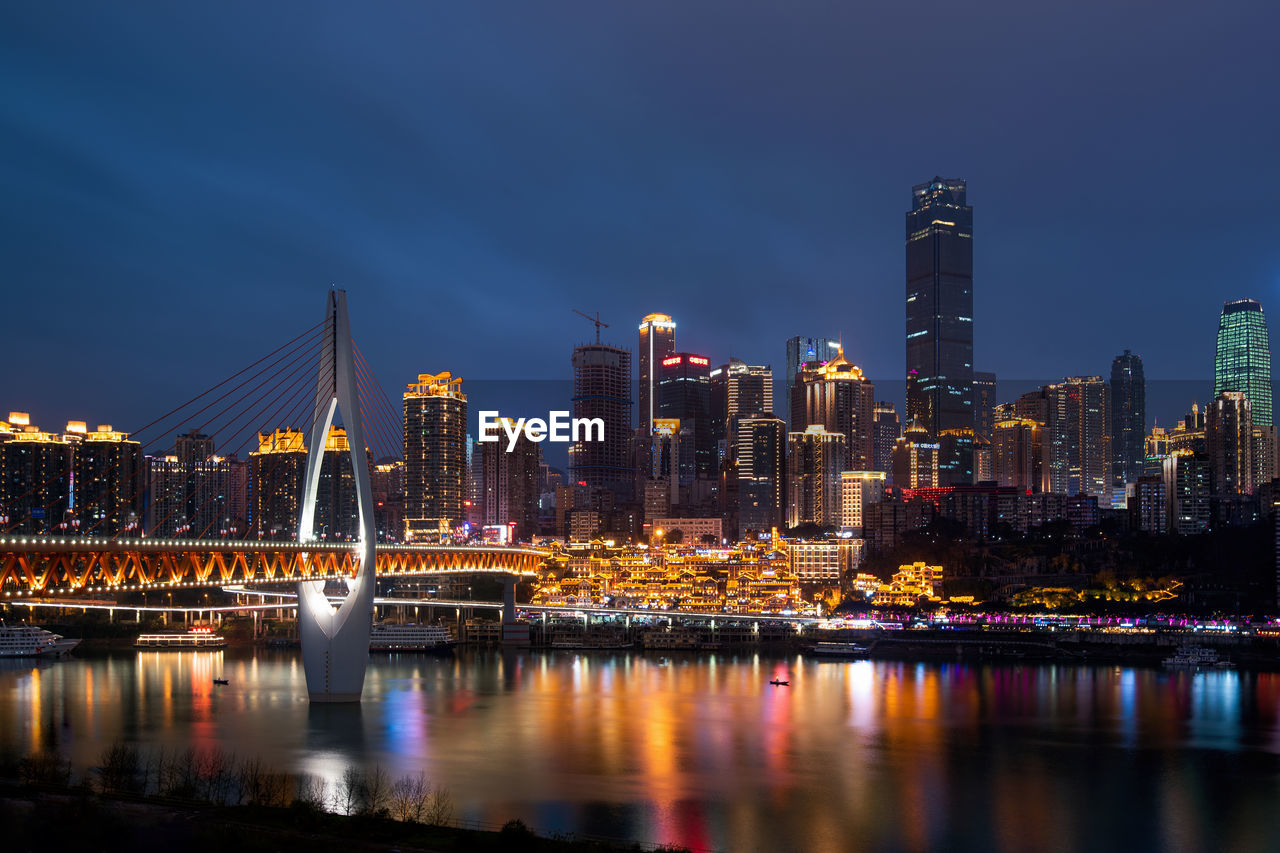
x: 596, y: 319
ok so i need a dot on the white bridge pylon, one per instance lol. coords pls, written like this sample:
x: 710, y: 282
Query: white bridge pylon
x: 335, y: 640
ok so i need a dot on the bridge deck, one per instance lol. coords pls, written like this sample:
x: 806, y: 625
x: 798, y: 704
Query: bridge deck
x: 54, y: 565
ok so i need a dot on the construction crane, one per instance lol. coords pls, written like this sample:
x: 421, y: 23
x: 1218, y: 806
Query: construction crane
x: 596, y: 319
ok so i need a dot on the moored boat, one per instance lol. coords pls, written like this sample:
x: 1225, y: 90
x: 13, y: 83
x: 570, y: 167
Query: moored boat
x: 29, y: 641
x: 200, y: 637
x: 387, y: 637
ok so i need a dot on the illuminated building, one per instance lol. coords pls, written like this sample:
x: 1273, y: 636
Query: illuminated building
x: 738, y: 390
x: 761, y: 474
x: 435, y: 456
x: 1243, y: 360
x: 939, y: 294
x: 1264, y: 454
x: 838, y: 397
x: 824, y: 563
x: 689, y: 531
x: 1228, y: 434
x: 1128, y: 418
x: 276, y: 470
x: 984, y: 403
x: 1148, y: 505
x: 684, y: 394
x: 35, y: 478
x: 108, y: 483
x: 983, y: 463
x: 1017, y: 453
x: 1078, y: 437
x: 915, y: 459
x: 857, y: 490
x: 189, y: 491
x: 337, y: 506
x: 1187, y: 483
x: 601, y: 389
x: 806, y: 353
x: 386, y: 481
x: 886, y: 430
x: 657, y: 341
x: 815, y: 458
x: 510, y: 485
x: 910, y: 584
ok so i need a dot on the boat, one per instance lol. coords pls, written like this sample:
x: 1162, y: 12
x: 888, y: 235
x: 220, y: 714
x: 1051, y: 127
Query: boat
x: 221, y: 681
x: 29, y: 641
x: 387, y: 637
x: 1197, y: 657
x: 199, y: 637
x: 839, y: 650
x: 777, y: 683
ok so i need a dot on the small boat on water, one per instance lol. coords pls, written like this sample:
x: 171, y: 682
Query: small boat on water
x: 777, y: 683
x: 1197, y: 657
x: 221, y: 681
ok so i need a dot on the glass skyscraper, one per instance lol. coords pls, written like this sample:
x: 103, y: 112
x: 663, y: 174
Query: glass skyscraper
x: 1243, y: 361
x: 1128, y: 418
x: 940, y: 319
x: 810, y: 351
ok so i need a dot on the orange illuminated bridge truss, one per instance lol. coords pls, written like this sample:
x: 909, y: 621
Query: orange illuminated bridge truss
x: 49, y: 565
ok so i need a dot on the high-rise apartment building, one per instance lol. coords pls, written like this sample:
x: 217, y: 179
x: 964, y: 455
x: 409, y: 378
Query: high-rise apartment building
x: 511, y: 485
x: 805, y: 352
x: 276, y: 471
x: 189, y: 491
x: 858, y: 489
x: 35, y: 478
x: 1128, y: 418
x: 657, y: 342
x: 939, y: 302
x: 1243, y: 360
x: 814, y: 459
x: 915, y: 460
x: 1078, y: 434
x: 886, y: 430
x: 108, y: 483
x: 1228, y: 438
x: 1187, y: 489
x: 1017, y: 453
x: 838, y: 397
x: 761, y: 467
x: 984, y: 403
x: 738, y: 390
x: 602, y: 389
x: 435, y: 455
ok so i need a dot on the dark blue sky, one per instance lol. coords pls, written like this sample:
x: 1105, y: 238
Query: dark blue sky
x: 181, y: 182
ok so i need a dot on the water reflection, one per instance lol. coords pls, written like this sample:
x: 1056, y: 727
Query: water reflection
x: 706, y: 753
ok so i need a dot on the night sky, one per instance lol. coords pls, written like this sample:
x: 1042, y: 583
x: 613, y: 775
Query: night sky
x: 180, y: 183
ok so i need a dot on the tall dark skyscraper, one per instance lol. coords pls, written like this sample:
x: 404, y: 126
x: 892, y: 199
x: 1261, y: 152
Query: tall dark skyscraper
x: 984, y: 403
x: 657, y: 342
x: 1243, y: 360
x: 1128, y: 418
x: 602, y: 389
x: 684, y: 394
x: 940, y: 319
x: 435, y: 455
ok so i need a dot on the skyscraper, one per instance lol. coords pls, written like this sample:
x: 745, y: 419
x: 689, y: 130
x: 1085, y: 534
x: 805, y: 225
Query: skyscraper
x: 939, y: 294
x: 1128, y: 418
x: 276, y: 471
x: 1243, y: 361
x: 684, y: 394
x: 738, y: 390
x: 108, y: 483
x: 802, y: 351
x: 435, y: 455
x: 1079, y: 454
x: 601, y: 389
x: 657, y: 341
x: 886, y: 431
x: 1228, y: 438
x: 984, y: 402
x: 762, y: 468
x: 510, y: 485
x: 838, y: 397
x: 814, y: 457
x: 35, y: 478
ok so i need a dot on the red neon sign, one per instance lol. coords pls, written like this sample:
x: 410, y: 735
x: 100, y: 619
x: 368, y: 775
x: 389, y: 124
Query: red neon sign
x: 675, y: 359
x: 697, y: 359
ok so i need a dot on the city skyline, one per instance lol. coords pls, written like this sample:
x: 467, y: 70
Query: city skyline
x: 234, y: 191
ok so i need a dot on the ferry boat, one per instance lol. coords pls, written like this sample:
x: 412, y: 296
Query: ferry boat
x: 838, y: 650
x: 1197, y: 657
x: 387, y: 637
x: 200, y: 637
x: 28, y: 641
